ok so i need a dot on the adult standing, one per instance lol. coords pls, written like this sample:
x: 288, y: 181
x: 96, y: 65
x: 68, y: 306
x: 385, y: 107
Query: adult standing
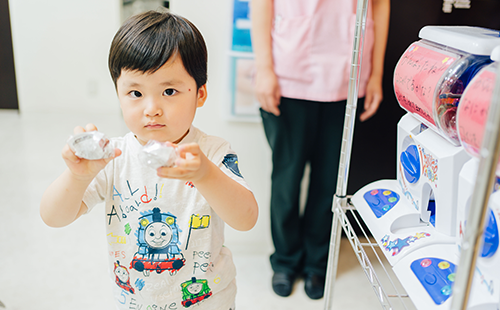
x: 303, y: 55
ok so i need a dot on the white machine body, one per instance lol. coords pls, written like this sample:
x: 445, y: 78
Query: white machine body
x: 428, y: 167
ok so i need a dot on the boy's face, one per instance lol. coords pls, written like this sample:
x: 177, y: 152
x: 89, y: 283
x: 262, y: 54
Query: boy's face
x: 161, y: 105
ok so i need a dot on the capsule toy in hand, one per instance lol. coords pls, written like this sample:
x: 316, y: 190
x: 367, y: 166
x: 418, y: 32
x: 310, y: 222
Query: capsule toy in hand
x: 157, y: 154
x: 91, y: 145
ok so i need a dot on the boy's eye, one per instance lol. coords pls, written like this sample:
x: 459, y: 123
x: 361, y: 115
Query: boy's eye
x: 135, y: 94
x: 169, y: 92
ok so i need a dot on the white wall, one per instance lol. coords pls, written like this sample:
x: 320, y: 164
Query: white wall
x: 61, y: 49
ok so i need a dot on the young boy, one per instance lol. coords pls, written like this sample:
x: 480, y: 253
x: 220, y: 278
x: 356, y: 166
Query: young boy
x: 167, y: 225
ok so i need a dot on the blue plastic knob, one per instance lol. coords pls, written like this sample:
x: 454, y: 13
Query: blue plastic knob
x: 410, y: 160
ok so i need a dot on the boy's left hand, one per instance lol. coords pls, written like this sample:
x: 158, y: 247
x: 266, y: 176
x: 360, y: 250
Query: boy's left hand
x: 191, y: 164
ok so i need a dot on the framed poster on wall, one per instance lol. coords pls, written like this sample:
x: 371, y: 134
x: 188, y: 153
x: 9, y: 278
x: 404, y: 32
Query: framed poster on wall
x: 241, y: 41
x: 244, y: 102
x: 244, y: 106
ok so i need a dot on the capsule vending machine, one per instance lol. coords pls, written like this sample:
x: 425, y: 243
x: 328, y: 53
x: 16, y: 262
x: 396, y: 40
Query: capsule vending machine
x: 471, y: 117
x: 415, y: 217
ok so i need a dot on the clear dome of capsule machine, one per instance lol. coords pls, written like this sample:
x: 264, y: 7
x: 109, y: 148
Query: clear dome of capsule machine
x: 433, y: 73
x: 475, y: 104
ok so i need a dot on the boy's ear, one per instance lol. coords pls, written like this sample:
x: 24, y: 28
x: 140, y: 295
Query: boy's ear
x: 202, y: 95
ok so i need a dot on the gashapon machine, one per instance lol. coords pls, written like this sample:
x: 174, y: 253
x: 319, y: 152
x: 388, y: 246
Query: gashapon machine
x: 417, y: 219
x: 471, y: 117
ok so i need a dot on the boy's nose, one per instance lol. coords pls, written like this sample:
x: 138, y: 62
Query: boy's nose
x: 153, y: 108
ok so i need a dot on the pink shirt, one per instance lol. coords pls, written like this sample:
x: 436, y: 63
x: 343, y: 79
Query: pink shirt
x: 312, y: 48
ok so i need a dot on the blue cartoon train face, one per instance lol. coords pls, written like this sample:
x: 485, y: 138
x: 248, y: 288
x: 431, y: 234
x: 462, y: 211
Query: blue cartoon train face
x: 194, y: 291
x: 158, y: 241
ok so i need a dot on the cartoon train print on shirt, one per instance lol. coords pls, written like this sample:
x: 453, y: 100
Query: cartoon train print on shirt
x: 231, y: 163
x: 123, y: 277
x: 158, y: 240
x: 194, y: 291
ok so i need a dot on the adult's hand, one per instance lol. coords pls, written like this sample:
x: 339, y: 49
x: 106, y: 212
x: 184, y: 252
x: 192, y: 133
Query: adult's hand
x: 373, y: 98
x: 267, y: 91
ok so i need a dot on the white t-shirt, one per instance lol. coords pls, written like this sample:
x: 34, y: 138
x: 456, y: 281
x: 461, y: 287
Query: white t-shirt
x: 165, y: 243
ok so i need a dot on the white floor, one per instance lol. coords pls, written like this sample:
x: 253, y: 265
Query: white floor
x: 51, y: 269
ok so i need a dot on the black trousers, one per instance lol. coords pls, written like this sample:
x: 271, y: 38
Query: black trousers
x: 305, y: 131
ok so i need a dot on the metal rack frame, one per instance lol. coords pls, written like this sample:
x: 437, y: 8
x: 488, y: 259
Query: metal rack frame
x: 376, y: 279
x: 489, y: 154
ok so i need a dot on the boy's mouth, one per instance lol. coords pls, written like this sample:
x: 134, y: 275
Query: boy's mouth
x: 154, y: 126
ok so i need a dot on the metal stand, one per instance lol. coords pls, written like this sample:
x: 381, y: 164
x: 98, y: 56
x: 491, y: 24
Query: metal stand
x: 389, y: 292
x: 340, y: 199
x: 490, y: 153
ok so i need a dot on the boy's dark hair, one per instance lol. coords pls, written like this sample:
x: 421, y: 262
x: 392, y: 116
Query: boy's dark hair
x: 145, y: 42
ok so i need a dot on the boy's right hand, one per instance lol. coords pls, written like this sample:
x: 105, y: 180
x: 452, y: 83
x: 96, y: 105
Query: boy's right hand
x: 84, y: 168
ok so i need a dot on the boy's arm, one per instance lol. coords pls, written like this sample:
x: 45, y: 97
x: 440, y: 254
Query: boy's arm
x: 62, y: 203
x: 374, y: 93
x: 267, y: 89
x: 235, y: 204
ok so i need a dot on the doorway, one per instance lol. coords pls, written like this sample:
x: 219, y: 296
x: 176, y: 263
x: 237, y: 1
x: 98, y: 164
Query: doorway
x: 8, y: 87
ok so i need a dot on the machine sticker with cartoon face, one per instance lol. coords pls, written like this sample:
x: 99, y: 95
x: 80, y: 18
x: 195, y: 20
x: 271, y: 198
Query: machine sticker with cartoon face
x: 397, y: 245
x: 429, y: 166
